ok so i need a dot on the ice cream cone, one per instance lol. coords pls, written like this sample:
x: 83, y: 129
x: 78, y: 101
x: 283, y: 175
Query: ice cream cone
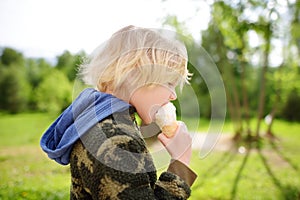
x: 165, y: 118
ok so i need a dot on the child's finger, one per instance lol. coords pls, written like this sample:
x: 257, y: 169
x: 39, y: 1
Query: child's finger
x: 163, y: 139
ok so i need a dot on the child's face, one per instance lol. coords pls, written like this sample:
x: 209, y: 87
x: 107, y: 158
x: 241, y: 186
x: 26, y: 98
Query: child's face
x: 148, y: 99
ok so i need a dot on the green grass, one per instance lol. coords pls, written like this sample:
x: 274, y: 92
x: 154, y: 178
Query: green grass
x: 254, y: 175
x: 25, y: 171
x: 270, y: 173
x: 23, y: 129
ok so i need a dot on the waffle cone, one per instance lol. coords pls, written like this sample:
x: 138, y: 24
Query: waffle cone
x: 170, y: 130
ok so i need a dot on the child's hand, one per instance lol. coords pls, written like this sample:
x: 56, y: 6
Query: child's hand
x: 180, y: 145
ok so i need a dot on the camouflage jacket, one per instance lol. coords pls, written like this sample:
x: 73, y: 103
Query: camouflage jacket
x: 111, y: 161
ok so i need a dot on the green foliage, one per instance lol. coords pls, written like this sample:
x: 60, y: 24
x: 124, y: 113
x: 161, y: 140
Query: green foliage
x: 295, y: 31
x: 291, y: 109
x: 227, y: 20
x: 15, y: 89
x: 10, y: 56
x: 283, y: 91
x: 37, y: 69
x: 69, y: 63
x: 54, y: 93
x: 180, y: 28
x: 295, y: 26
x: 26, y: 83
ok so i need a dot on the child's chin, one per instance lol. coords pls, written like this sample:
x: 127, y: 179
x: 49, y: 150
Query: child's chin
x: 147, y: 121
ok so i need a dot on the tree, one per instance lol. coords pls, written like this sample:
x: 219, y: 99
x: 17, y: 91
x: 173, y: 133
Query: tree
x: 267, y: 35
x: 69, y: 63
x: 252, y: 87
x: 194, y: 53
x: 14, y: 87
x: 54, y: 93
x: 286, y: 98
x: 233, y: 31
x: 291, y: 110
x: 10, y: 56
x: 233, y: 23
x: 37, y: 69
x: 295, y: 24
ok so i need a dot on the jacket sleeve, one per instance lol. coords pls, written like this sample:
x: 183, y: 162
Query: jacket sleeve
x: 120, y: 167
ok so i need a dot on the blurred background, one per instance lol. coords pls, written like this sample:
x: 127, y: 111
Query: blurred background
x: 255, y: 45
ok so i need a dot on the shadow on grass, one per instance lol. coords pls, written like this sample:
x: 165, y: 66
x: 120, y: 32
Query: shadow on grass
x: 217, y: 166
x: 289, y: 192
x: 238, y: 176
x: 282, y: 155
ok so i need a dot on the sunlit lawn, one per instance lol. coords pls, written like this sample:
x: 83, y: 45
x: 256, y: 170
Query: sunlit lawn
x: 271, y: 173
x: 25, y: 172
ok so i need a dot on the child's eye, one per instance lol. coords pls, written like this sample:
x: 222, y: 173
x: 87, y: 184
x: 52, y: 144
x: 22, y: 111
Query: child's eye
x: 171, y: 84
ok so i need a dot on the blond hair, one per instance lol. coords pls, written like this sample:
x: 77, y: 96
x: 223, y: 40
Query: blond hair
x: 136, y: 57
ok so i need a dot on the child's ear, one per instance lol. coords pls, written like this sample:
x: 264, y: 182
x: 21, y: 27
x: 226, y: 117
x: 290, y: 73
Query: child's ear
x: 105, y: 87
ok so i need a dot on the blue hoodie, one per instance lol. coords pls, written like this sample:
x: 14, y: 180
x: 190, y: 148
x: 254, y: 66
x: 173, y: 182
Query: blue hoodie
x: 89, y: 108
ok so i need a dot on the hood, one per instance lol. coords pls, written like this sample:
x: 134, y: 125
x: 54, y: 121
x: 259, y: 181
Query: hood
x: 90, y: 107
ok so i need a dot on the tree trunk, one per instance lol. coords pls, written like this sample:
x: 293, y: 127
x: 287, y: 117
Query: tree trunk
x: 269, y: 132
x: 246, y: 115
x: 262, y: 93
x: 234, y: 105
x: 232, y: 113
